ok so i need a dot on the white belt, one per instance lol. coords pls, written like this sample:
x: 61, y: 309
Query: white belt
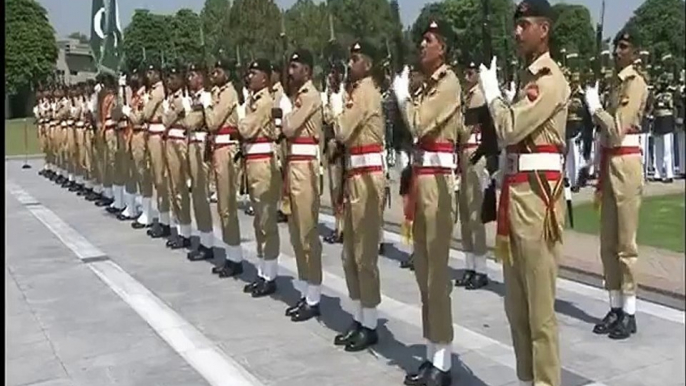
x: 79, y: 124
x: 156, y: 128
x: 70, y: 122
x: 259, y: 148
x: 358, y: 161
x: 177, y: 133
x: 474, y: 139
x: 432, y: 159
x: 631, y: 140
x: 109, y: 122
x: 198, y: 136
x: 535, y: 161
x: 224, y: 139
x: 304, y: 149
x: 63, y: 124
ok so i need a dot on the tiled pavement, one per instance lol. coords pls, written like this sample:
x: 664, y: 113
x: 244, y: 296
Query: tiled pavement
x: 66, y: 325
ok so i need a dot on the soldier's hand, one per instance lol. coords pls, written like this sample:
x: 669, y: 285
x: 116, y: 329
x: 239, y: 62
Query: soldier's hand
x: 593, y: 99
x: 206, y: 99
x: 488, y: 81
x: 240, y: 110
x: 126, y: 110
x: 165, y: 106
x: 186, y: 103
x: 336, y: 101
x: 285, y: 105
x: 401, y: 86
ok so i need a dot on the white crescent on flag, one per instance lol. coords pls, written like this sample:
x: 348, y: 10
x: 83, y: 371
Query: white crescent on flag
x: 97, y: 23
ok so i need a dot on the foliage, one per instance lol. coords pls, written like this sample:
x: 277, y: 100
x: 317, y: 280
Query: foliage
x: 147, y: 36
x: 216, y: 28
x: 572, y: 30
x: 30, y: 45
x: 255, y: 28
x: 80, y: 37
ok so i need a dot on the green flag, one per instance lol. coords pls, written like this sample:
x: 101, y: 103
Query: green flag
x: 112, y: 49
x: 97, y: 29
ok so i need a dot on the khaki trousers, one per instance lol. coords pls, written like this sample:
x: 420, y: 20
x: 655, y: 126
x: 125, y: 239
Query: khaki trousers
x: 264, y: 188
x: 80, y: 152
x: 619, y: 215
x: 72, y: 150
x: 177, y: 162
x: 87, y: 154
x: 335, y: 187
x: 121, y: 160
x: 432, y: 231
x: 470, y: 199
x: 285, y: 198
x: 140, y: 169
x: 363, y: 210
x: 199, y: 171
x: 226, y: 174
x: 99, y: 154
x: 43, y: 141
x: 303, y: 194
x: 158, y: 161
x: 530, y: 288
x: 110, y: 157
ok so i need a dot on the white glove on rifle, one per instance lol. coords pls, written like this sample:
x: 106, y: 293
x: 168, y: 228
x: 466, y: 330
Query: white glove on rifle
x: 336, y: 100
x: 240, y: 110
x: 246, y: 94
x: 488, y: 81
x: 126, y: 110
x: 146, y: 97
x: 511, y: 92
x: 165, y: 106
x: 206, y: 99
x: 285, y: 105
x: 325, y: 99
x: 97, y: 87
x: 401, y: 86
x: 593, y: 99
x: 122, y: 81
x: 186, y: 103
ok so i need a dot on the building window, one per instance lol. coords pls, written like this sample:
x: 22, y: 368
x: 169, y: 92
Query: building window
x: 73, y: 73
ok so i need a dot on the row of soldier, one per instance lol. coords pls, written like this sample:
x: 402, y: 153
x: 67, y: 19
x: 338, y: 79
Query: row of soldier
x: 156, y: 136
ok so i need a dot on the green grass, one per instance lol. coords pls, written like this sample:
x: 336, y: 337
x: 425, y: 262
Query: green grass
x: 661, y: 221
x: 14, y: 137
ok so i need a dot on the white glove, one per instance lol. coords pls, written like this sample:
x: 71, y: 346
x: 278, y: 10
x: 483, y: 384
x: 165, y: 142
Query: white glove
x: 485, y: 179
x: 498, y: 178
x: 72, y: 110
x: 98, y: 87
x: 246, y: 94
x: 401, y: 86
x: 165, y: 106
x: 325, y: 99
x: 126, y: 110
x: 122, y: 81
x: 336, y: 101
x: 186, y: 103
x: 488, y: 80
x: 240, y: 109
x: 146, y: 97
x: 285, y: 105
x: 593, y: 99
x: 511, y: 92
x: 206, y: 99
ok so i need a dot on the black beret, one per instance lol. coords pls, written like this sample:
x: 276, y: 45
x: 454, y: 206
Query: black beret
x: 173, y: 69
x: 225, y: 64
x: 277, y: 67
x: 534, y: 8
x: 153, y: 66
x: 261, y: 65
x: 365, y: 48
x: 472, y: 64
x: 440, y: 28
x: 303, y: 56
x: 629, y: 35
x: 196, y: 67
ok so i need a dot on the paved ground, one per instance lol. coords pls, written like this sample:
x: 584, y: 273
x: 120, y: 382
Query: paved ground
x: 92, y: 302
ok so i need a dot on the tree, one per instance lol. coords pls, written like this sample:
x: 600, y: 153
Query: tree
x: 185, y: 38
x: 572, y: 30
x: 216, y: 27
x: 363, y: 19
x: 147, y: 37
x: 661, y: 26
x: 30, y: 46
x: 256, y: 27
x: 307, y: 25
x: 79, y: 36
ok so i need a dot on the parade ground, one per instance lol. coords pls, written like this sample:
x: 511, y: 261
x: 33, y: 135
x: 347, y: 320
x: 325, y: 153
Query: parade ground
x: 90, y: 301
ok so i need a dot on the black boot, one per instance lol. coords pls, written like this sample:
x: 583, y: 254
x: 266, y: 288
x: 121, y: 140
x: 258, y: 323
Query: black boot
x: 250, y: 211
x: 362, y: 340
x: 158, y: 231
x: 104, y: 201
x: 479, y: 280
x: 202, y: 253
x: 178, y: 242
x: 382, y: 249
x: 229, y: 269
x: 92, y: 196
x: 75, y: 187
x: 418, y: 378
x: 465, y: 279
x: 114, y: 210
x: 436, y: 377
x: 306, y: 312
x: 137, y: 225
x: 293, y: 309
x: 608, y: 322
x: 345, y: 338
x: 264, y: 288
x: 249, y: 288
x: 122, y: 217
x: 281, y: 217
x: 625, y: 326
x: 333, y: 237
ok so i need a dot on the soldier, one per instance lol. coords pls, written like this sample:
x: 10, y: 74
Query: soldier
x: 77, y: 113
x: 222, y: 120
x: 176, y: 107
x: 86, y: 151
x: 302, y: 129
x: 619, y: 185
x: 40, y: 113
x: 473, y: 181
x: 152, y: 116
x: 278, y: 93
x: 663, y: 128
x: 70, y: 140
x: 117, y: 166
x: 334, y: 158
x: 359, y: 127
x: 434, y: 118
x: 109, y: 141
x: 577, y: 120
x: 140, y: 171
x: 97, y: 154
x: 62, y: 115
x: 195, y: 125
x: 531, y: 210
x: 263, y: 177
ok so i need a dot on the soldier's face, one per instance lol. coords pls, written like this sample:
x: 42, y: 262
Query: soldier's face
x: 257, y: 80
x: 359, y: 66
x: 195, y: 80
x: 218, y: 76
x: 432, y: 50
x: 471, y: 76
x: 297, y: 72
x: 530, y: 33
x: 624, y: 54
x: 153, y: 76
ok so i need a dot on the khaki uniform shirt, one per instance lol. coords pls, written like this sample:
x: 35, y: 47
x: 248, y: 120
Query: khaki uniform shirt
x: 152, y: 110
x: 222, y: 112
x: 173, y: 117
x: 195, y: 119
x: 137, y: 105
x: 307, y: 116
x: 361, y: 122
x: 258, y: 117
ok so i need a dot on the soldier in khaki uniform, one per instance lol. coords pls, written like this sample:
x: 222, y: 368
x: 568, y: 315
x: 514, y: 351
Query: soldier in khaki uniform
x: 259, y: 152
x: 176, y: 108
x: 333, y: 156
x: 221, y: 117
x: 77, y: 110
x: 141, y: 175
x: 359, y: 127
x: 278, y: 93
x: 531, y: 214
x: 126, y: 166
x: 473, y: 180
x: 71, y: 147
x: 152, y: 116
x: 95, y: 154
x: 117, y: 163
x: 63, y: 115
x: 433, y: 118
x: 199, y: 168
x: 620, y: 184
x: 40, y: 112
x: 85, y: 152
x: 302, y: 129
x: 107, y: 137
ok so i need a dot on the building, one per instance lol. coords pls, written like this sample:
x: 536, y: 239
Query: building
x: 75, y: 62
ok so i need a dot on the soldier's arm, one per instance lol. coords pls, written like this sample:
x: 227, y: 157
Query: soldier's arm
x: 629, y: 112
x: 156, y: 98
x: 172, y: 115
x: 348, y: 122
x: 543, y: 98
x: 250, y: 126
x: 437, y: 108
x: 293, y: 122
x: 136, y: 116
x: 217, y: 114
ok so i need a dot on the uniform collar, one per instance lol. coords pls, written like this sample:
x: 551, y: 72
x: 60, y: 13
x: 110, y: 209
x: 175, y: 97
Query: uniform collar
x: 158, y: 84
x: 440, y: 72
x: 543, y: 61
x: 367, y: 80
x: 305, y: 87
x: 627, y: 72
x: 473, y: 89
x: 260, y: 93
x: 277, y: 87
